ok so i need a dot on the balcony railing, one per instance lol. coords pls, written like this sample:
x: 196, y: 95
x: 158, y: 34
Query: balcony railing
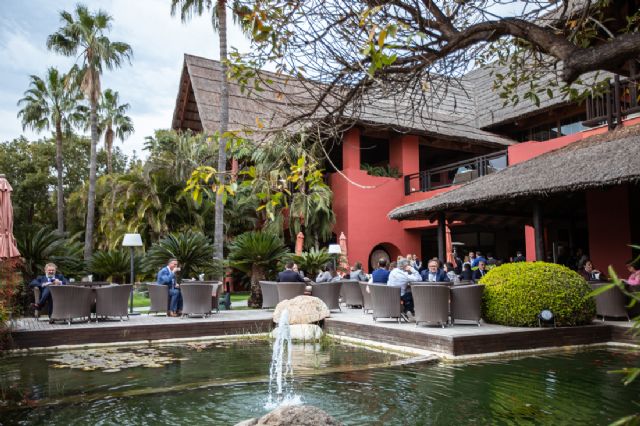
x: 455, y: 173
x: 618, y: 100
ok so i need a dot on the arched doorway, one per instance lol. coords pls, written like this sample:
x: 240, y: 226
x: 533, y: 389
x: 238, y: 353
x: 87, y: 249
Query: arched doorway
x: 386, y: 251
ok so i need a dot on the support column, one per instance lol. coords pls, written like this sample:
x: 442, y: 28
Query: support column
x: 442, y: 255
x: 538, y: 230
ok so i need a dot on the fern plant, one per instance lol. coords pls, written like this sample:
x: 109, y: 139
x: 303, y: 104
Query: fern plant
x: 41, y: 246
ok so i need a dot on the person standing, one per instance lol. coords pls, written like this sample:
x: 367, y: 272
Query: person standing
x: 50, y: 277
x: 167, y: 276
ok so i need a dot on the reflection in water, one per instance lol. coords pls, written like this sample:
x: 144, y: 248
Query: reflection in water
x: 224, y: 384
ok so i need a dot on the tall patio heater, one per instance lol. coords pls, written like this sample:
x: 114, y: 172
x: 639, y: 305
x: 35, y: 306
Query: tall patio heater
x: 335, y: 249
x: 132, y: 241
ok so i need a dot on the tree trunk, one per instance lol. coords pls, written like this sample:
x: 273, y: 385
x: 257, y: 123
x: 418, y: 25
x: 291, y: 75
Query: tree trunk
x: 91, y: 196
x: 108, y: 146
x: 218, y: 235
x: 257, y: 274
x: 60, y: 207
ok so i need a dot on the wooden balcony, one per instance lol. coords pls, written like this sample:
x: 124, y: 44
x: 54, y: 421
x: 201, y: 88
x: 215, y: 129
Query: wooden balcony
x: 618, y: 100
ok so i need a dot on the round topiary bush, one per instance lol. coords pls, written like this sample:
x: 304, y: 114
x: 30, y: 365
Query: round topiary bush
x: 515, y: 293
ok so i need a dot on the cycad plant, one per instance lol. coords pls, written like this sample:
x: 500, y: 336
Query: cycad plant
x: 41, y: 246
x: 312, y: 261
x: 255, y: 253
x: 112, y: 265
x: 192, y: 249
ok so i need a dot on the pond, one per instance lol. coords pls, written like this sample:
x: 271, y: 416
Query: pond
x: 226, y: 382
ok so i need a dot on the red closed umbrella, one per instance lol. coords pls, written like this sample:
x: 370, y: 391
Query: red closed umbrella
x: 8, y: 247
x: 299, y: 243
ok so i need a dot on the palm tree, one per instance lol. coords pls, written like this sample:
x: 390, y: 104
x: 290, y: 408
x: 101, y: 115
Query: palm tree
x: 256, y: 252
x: 53, y: 103
x: 83, y: 35
x: 188, y: 8
x: 113, y: 122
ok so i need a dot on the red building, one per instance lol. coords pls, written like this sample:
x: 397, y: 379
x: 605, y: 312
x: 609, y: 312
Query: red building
x: 461, y: 147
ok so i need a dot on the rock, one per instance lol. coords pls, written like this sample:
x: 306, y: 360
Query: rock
x: 302, y: 310
x: 304, y: 332
x: 294, y: 415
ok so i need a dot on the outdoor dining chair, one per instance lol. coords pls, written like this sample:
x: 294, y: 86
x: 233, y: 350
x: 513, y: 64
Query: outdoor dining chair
x: 196, y: 298
x: 269, y: 294
x: 112, y: 301
x: 216, y: 292
x: 466, y: 302
x: 159, y: 297
x: 351, y: 293
x: 611, y: 303
x: 367, y: 304
x: 289, y: 290
x: 329, y: 293
x: 70, y: 302
x: 386, y: 302
x: 431, y: 304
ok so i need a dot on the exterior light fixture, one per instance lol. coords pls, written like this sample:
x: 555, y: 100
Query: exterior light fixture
x: 132, y: 241
x: 546, y: 317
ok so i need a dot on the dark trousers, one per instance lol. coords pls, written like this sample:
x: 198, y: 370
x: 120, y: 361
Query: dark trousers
x: 175, y: 299
x: 407, y: 302
x: 45, y: 296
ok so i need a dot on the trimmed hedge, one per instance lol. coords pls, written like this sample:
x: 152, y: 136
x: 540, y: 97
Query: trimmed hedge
x: 515, y: 293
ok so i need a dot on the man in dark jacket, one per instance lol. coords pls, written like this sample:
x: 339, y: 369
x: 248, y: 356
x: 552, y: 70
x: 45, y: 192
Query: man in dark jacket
x: 481, y: 271
x: 433, y: 273
x: 289, y: 275
x: 43, y: 282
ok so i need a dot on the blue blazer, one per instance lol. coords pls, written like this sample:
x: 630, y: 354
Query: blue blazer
x: 288, y: 276
x: 166, y: 277
x: 41, y: 279
x: 441, y: 275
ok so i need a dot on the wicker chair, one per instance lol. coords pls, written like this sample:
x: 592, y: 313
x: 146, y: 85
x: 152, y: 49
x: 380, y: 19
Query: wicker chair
x: 431, y: 304
x: 112, y: 301
x: 329, y: 293
x: 216, y: 293
x: 269, y: 294
x: 611, y: 303
x: 367, y: 303
x: 36, y: 295
x: 71, y: 302
x: 290, y: 290
x: 159, y: 296
x: 351, y: 293
x: 466, y: 302
x: 386, y: 302
x: 196, y: 298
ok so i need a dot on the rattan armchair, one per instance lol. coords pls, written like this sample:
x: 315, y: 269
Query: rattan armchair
x: 70, y: 302
x: 289, y: 290
x: 196, y: 298
x: 269, y: 294
x: 216, y: 292
x: 611, y: 303
x: 431, y: 303
x: 159, y: 297
x: 386, y: 302
x: 351, y: 294
x: 329, y: 293
x: 367, y: 303
x: 112, y: 301
x: 466, y: 302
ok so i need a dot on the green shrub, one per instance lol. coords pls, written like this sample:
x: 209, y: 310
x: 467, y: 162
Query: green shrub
x: 515, y: 293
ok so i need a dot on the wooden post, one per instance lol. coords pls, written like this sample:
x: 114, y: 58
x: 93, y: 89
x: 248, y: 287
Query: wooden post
x: 617, y: 100
x: 441, y: 237
x: 538, y: 230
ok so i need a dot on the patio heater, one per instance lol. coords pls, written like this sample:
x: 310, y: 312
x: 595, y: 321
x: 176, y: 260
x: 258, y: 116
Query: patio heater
x: 132, y: 241
x: 335, y: 249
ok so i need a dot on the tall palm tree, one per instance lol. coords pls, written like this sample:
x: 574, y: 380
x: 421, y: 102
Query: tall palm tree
x: 114, y: 122
x: 53, y: 102
x: 83, y: 35
x: 189, y: 8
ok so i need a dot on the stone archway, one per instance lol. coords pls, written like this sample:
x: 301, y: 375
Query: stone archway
x: 387, y: 251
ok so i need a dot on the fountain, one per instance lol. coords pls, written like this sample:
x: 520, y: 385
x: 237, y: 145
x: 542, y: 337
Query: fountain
x: 281, y: 371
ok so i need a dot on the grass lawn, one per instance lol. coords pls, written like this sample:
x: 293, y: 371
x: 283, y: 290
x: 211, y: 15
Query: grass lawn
x: 140, y: 300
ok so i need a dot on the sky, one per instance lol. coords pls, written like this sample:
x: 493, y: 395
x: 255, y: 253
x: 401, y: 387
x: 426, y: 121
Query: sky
x: 149, y: 84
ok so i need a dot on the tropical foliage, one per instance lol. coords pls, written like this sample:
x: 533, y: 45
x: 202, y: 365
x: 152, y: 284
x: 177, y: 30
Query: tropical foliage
x: 312, y: 261
x: 192, y: 250
x: 256, y: 253
x: 113, y: 266
x: 515, y: 293
x: 113, y: 122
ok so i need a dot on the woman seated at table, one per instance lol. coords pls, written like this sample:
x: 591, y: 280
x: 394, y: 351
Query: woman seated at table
x: 590, y: 273
x: 328, y: 274
x: 634, y: 278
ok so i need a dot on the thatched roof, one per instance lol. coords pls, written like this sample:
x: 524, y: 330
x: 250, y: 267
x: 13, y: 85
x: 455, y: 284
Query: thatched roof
x: 599, y: 161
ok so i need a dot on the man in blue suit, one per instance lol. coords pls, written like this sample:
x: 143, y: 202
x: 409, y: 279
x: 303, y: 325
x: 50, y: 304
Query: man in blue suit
x: 167, y: 276
x: 43, y: 282
x: 433, y: 273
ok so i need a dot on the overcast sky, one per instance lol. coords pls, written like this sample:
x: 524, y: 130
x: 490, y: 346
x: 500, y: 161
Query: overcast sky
x: 149, y: 84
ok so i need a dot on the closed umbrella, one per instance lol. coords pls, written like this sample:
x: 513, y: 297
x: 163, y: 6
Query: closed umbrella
x: 8, y: 247
x: 299, y: 243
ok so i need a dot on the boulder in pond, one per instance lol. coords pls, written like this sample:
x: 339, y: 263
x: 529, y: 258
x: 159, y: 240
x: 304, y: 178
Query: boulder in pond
x: 302, y: 332
x: 293, y: 415
x: 302, y: 310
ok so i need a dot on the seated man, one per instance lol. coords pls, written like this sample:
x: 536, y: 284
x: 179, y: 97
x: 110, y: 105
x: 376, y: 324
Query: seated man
x: 401, y: 276
x: 43, y: 282
x: 590, y: 273
x: 381, y: 274
x: 289, y: 275
x: 433, y: 273
x: 167, y: 276
x: 481, y: 271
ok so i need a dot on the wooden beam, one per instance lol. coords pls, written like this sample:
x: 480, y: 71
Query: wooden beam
x: 455, y: 145
x: 442, y: 255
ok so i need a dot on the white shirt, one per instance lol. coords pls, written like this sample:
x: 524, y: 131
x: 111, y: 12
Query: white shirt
x: 398, y: 278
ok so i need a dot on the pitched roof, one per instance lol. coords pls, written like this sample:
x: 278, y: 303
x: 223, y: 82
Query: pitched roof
x: 598, y: 161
